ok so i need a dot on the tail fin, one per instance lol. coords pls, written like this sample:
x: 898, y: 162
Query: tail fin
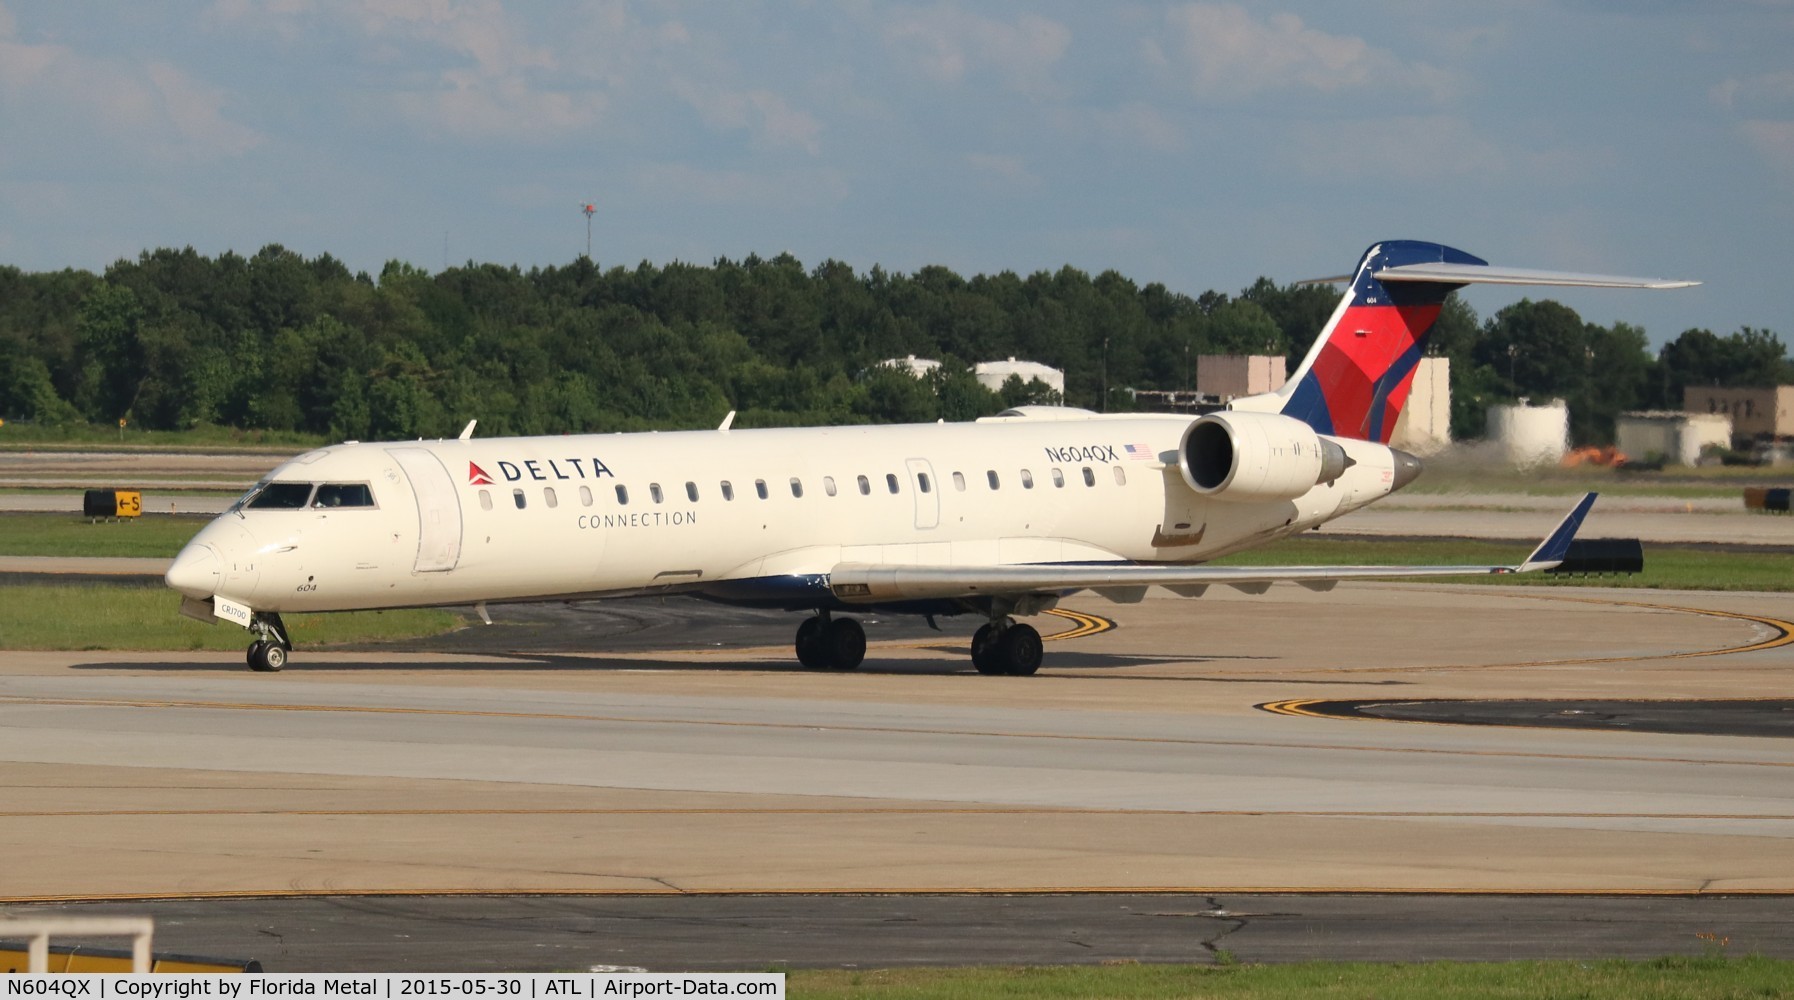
x: 1356, y: 377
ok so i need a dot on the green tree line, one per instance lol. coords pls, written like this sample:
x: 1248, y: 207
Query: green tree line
x: 279, y: 342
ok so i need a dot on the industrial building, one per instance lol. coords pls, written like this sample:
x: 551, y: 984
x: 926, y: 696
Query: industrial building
x: 1755, y: 413
x: 1673, y: 438
x: 1424, y: 427
x: 1228, y: 376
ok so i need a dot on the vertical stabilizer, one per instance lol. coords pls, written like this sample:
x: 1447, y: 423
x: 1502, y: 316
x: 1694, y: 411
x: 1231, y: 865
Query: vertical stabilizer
x: 1356, y: 377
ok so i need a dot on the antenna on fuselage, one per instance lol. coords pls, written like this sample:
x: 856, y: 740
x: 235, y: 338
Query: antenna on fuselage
x: 467, y: 432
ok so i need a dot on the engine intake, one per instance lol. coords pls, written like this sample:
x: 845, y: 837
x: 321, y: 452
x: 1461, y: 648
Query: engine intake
x: 1245, y: 456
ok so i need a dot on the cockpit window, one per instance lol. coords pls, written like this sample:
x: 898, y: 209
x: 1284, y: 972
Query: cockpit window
x: 343, y: 495
x: 280, y: 496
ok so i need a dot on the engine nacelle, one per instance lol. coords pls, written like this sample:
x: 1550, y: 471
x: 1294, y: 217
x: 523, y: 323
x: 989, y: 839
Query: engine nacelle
x: 1245, y: 456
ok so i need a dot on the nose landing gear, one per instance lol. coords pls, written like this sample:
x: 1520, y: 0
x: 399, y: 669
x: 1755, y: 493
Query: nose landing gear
x: 268, y: 652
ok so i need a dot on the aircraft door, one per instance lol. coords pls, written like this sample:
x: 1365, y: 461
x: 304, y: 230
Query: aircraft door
x: 927, y: 491
x: 438, y: 509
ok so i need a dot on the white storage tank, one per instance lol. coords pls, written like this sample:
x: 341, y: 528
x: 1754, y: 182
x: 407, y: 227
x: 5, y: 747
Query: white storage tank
x: 1530, y: 435
x: 992, y: 374
x: 914, y: 366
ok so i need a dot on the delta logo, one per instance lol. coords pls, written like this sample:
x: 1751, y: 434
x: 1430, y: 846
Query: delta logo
x: 540, y: 470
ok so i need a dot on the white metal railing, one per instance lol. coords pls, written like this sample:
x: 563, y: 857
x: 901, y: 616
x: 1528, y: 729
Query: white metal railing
x: 39, y: 929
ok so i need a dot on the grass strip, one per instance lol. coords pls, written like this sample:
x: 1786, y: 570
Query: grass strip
x: 1691, y: 977
x: 150, y: 536
x: 1666, y: 567
x: 122, y: 616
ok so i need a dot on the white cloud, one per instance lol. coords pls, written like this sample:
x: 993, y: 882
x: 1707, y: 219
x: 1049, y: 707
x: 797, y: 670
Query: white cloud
x: 761, y: 112
x: 947, y: 43
x: 1740, y: 93
x: 1413, y: 148
x: 681, y: 183
x: 1225, y: 53
x: 153, y: 109
x: 1774, y: 140
x: 1009, y: 174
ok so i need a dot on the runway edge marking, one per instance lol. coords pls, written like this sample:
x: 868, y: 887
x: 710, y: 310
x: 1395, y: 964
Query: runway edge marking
x: 1213, y: 890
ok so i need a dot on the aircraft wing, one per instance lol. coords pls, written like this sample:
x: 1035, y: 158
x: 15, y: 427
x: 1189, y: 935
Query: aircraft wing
x: 872, y: 583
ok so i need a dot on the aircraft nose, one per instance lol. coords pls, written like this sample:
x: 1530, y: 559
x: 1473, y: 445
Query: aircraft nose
x: 195, y: 572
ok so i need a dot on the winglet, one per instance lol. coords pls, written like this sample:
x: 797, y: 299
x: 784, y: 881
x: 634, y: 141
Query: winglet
x: 727, y: 421
x: 1556, y: 546
x: 467, y: 432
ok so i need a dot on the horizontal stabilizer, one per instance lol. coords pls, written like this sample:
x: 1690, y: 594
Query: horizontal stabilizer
x: 1483, y: 274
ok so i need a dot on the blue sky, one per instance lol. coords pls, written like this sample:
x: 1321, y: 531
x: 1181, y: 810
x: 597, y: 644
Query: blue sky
x: 1196, y: 144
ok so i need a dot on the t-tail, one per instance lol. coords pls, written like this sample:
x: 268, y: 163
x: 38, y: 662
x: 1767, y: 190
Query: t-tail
x: 1356, y: 377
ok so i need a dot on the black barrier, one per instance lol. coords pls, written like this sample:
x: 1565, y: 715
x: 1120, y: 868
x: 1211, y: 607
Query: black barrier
x: 1777, y: 499
x: 111, y: 503
x: 1602, y: 555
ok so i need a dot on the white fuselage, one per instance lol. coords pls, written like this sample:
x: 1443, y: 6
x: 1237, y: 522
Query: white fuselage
x: 508, y: 519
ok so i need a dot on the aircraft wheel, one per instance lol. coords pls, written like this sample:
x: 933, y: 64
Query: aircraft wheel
x: 1019, y: 650
x: 845, y: 641
x: 984, y: 649
x: 255, y: 650
x: 267, y: 657
x: 810, y: 651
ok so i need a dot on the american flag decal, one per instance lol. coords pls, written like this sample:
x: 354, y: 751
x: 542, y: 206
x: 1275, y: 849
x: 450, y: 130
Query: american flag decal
x: 1139, y: 452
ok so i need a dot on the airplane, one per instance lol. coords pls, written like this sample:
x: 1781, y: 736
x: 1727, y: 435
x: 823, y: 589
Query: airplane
x: 1001, y: 517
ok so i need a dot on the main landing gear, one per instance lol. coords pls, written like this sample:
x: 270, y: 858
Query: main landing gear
x: 269, y: 651
x: 830, y: 644
x: 1006, y: 647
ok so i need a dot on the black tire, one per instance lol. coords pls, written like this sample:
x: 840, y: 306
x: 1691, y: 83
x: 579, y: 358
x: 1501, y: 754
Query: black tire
x: 810, y: 647
x: 984, y: 649
x: 845, y: 641
x: 1020, y: 650
x: 267, y: 657
x: 255, y: 650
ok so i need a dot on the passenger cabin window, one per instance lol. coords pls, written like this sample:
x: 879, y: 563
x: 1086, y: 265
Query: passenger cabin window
x: 728, y: 490
x: 1120, y: 476
x: 548, y: 495
x: 760, y: 488
x: 585, y: 496
x: 691, y: 492
x: 622, y: 495
x: 891, y: 482
x: 517, y: 498
x: 281, y: 496
x: 959, y: 482
x: 343, y: 495
x: 797, y: 487
x: 865, y: 486
x: 1089, y: 477
x: 1027, y: 480
x: 828, y: 485
x: 922, y: 483
x: 485, y: 499
x: 1058, y: 479
x: 654, y: 493
x: 990, y: 476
